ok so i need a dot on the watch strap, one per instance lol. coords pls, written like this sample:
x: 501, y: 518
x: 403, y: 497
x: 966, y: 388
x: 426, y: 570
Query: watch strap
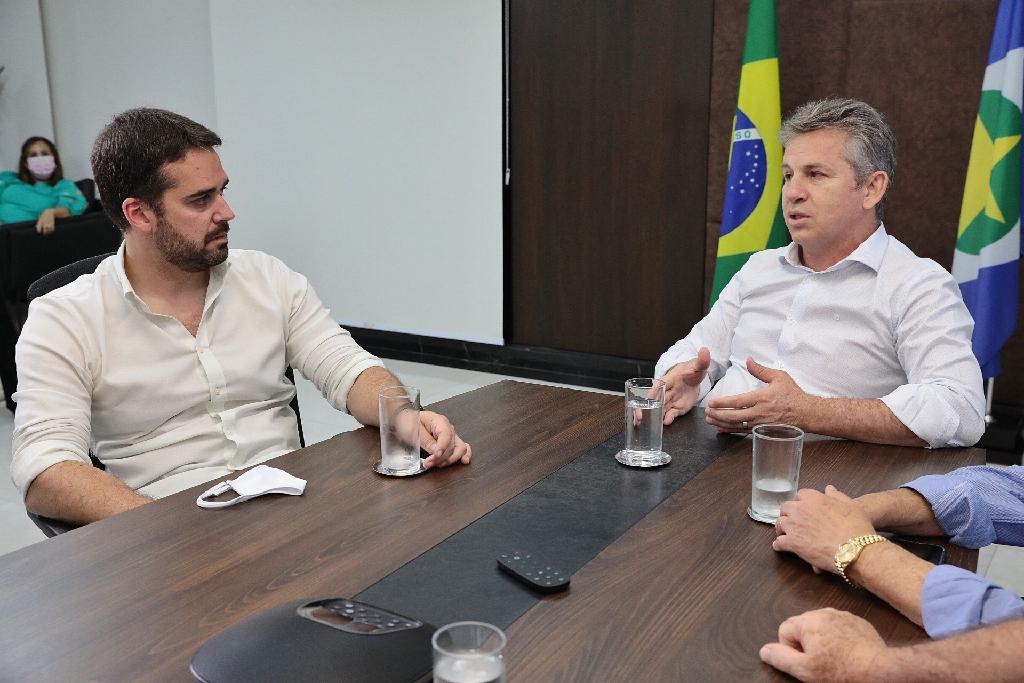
x: 861, y: 542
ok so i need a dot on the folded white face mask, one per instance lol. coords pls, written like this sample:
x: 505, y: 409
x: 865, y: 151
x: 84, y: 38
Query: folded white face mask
x: 258, y: 481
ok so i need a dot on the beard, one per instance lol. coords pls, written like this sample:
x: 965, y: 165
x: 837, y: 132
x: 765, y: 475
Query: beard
x: 180, y: 252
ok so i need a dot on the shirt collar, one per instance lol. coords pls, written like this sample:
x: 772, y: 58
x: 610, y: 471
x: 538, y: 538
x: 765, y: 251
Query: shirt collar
x: 217, y: 274
x: 869, y: 252
x: 122, y: 276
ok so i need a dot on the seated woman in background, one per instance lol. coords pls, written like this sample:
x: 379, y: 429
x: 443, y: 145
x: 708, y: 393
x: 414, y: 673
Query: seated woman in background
x: 38, y: 191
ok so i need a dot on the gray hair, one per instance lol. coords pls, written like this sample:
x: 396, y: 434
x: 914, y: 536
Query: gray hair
x: 872, y: 142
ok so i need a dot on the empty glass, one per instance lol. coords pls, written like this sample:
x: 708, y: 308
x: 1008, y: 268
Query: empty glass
x: 399, y: 432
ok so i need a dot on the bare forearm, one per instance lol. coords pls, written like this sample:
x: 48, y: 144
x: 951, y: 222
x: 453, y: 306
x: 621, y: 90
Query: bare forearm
x: 61, y: 212
x: 858, y: 419
x: 79, y: 493
x: 894, y: 575
x: 363, y: 402
x: 903, y: 511
x: 991, y: 654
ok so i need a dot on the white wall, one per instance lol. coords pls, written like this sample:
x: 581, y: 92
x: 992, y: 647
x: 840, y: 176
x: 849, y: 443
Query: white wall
x: 24, y: 92
x: 363, y: 142
x: 106, y: 56
x: 362, y: 137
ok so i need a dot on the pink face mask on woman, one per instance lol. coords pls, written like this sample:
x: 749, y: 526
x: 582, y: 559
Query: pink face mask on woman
x: 41, y: 167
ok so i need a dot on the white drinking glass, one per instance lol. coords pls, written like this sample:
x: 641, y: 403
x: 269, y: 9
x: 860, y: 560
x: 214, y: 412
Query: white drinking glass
x: 645, y: 413
x: 775, y: 474
x: 399, y: 432
x: 469, y: 652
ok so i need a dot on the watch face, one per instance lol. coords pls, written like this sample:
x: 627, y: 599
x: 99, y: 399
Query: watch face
x: 847, y: 552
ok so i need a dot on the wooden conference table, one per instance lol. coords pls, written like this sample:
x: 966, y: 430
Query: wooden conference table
x: 690, y: 592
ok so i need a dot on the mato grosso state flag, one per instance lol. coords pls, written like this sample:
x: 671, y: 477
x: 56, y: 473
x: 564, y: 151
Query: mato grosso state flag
x: 752, y: 217
x: 988, y: 246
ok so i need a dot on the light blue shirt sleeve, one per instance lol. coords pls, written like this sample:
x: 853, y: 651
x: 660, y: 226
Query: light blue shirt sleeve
x: 954, y: 600
x: 977, y: 506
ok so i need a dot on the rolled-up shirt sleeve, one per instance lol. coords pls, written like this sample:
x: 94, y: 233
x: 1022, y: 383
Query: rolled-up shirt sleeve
x: 319, y: 348
x: 954, y: 600
x: 52, y: 423
x: 977, y: 505
x: 942, y: 402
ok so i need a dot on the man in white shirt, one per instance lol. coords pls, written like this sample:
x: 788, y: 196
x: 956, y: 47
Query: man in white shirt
x: 845, y: 332
x: 168, y: 362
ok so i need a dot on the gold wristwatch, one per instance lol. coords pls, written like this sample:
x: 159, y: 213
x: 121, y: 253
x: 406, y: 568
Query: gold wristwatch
x: 848, y: 552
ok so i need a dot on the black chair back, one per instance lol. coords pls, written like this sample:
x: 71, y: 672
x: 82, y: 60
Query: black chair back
x: 64, y: 275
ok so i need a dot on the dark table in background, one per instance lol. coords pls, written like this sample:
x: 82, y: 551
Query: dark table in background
x: 690, y: 592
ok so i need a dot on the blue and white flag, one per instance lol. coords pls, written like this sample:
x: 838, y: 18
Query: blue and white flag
x: 986, y: 263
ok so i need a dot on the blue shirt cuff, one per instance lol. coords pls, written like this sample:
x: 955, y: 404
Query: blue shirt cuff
x: 954, y: 600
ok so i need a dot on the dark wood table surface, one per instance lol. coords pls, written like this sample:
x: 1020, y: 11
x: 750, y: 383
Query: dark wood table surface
x: 689, y: 593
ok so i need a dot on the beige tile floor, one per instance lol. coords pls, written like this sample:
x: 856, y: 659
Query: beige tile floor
x: 1002, y: 564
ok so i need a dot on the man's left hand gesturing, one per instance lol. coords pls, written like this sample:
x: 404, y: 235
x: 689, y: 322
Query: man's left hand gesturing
x: 781, y: 401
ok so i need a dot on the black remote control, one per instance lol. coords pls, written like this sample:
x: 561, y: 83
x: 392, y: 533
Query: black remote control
x: 537, y: 574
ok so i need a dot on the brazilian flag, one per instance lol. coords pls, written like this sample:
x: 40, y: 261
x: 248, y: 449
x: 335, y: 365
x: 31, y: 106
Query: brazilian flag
x: 752, y: 215
x: 986, y: 263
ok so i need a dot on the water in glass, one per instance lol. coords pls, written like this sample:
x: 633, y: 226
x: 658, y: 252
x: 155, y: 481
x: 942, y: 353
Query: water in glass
x: 469, y: 668
x: 643, y: 424
x: 770, y: 494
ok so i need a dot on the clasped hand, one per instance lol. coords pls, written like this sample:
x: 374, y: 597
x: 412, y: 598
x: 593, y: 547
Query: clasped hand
x: 45, y: 222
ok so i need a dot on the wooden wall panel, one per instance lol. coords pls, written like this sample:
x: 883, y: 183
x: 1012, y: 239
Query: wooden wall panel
x: 608, y: 151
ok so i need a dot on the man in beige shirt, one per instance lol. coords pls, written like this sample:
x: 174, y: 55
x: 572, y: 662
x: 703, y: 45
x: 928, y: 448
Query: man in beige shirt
x: 168, y: 362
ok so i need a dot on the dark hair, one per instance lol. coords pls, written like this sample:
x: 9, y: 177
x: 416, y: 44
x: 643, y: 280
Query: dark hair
x: 129, y: 155
x: 25, y: 176
x: 872, y: 143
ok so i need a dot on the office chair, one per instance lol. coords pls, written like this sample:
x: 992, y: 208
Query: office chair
x: 66, y: 275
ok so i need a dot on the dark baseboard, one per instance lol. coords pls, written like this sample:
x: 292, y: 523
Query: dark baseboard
x: 531, y: 362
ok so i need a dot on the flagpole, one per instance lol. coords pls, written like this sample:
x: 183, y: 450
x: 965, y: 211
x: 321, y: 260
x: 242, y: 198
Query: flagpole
x: 988, y: 400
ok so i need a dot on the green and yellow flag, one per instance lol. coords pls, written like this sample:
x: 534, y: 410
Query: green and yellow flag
x: 752, y: 215
x: 986, y: 263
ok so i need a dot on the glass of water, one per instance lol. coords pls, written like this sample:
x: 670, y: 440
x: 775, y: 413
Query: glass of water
x: 399, y: 432
x: 645, y: 411
x: 469, y: 652
x: 776, y: 471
